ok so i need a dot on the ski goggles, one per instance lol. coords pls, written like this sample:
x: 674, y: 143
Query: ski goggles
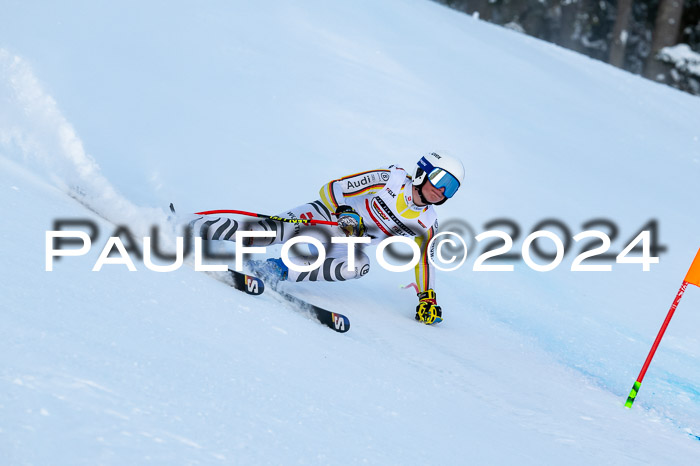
x: 439, y: 177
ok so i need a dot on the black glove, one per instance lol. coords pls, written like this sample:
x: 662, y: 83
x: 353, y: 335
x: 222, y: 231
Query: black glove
x: 427, y: 310
x: 350, y: 221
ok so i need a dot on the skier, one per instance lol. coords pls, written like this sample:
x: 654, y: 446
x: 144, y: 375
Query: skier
x: 377, y: 203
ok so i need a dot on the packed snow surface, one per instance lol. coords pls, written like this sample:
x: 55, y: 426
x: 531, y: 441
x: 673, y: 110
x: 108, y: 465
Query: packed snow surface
x: 110, y: 111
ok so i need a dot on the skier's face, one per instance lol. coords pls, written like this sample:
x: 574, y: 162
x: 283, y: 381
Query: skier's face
x: 430, y: 192
x: 433, y: 194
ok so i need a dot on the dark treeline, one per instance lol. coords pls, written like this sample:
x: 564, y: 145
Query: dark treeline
x: 636, y: 35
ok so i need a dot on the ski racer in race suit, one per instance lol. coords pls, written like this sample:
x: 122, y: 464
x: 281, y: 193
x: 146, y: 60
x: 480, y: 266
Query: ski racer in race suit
x: 378, y: 204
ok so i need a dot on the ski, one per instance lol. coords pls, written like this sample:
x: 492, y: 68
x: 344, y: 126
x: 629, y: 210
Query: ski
x: 332, y: 320
x: 245, y: 283
x: 255, y: 286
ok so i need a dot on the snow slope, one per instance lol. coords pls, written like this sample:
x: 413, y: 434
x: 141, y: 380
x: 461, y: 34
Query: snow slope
x: 252, y: 106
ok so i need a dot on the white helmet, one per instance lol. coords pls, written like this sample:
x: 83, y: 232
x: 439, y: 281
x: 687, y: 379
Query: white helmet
x: 442, y: 170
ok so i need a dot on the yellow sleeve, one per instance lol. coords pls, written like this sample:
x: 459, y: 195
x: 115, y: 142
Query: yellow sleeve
x: 425, y: 274
x: 329, y: 196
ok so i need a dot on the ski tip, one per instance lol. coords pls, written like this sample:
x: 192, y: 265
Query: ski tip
x: 246, y: 283
x: 341, y: 324
x: 254, y: 285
